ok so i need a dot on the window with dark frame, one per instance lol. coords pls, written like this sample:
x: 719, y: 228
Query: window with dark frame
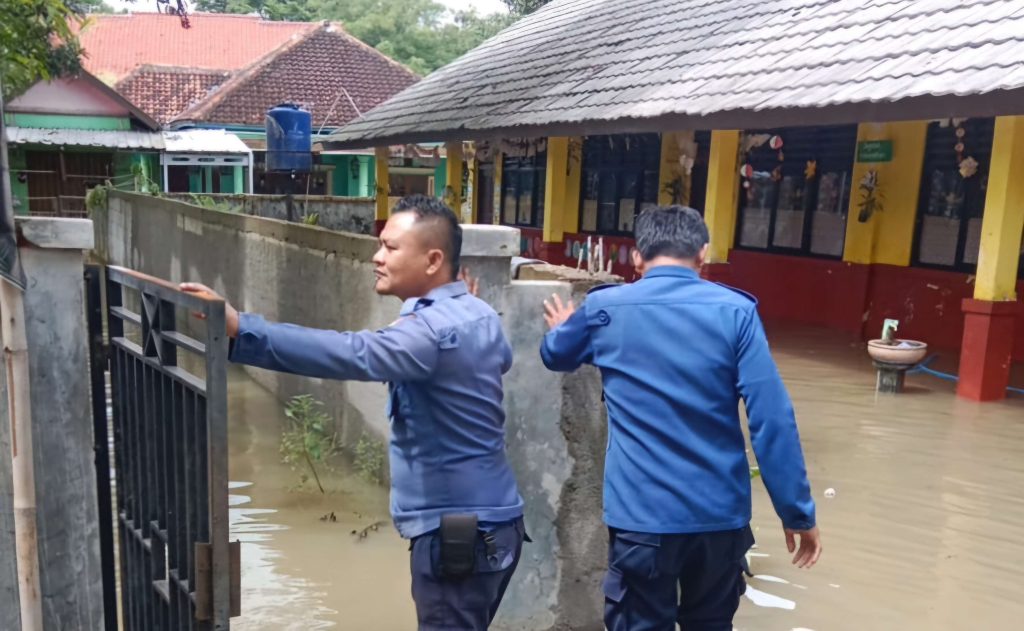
x: 522, y: 190
x: 798, y: 204
x: 953, y: 188
x: 619, y: 179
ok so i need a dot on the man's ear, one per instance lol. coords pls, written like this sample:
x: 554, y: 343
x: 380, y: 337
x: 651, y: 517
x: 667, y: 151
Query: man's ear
x: 435, y: 261
x: 638, y: 261
x: 702, y: 256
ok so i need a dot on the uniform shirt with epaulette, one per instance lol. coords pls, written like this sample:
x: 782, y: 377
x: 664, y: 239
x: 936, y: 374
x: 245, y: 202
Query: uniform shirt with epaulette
x: 676, y: 354
x: 443, y: 360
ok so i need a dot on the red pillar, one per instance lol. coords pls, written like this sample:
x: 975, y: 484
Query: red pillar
x: 985, y: 354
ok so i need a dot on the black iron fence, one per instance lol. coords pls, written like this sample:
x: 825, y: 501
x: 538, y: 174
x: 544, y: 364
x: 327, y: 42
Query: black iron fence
x: 168, y: 392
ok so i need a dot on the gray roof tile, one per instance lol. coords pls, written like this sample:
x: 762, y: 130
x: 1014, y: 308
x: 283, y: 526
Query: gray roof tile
x: 576, y: 61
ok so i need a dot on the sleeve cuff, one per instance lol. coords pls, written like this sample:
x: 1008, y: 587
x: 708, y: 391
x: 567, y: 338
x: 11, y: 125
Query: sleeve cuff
x: 248, y: 341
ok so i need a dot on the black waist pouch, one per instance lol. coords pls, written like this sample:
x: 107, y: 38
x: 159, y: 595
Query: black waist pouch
x: 458, y: 545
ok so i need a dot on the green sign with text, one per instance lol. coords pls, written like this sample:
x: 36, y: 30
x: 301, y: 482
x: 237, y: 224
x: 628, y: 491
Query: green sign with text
x: 874, y: 151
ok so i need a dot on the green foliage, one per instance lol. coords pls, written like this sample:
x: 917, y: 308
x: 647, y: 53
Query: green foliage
x: 209, y: 202
x: 96, y: 198
x: 369, y: 460
x: 312, y: 219
x: 292, y: 10
x: 308, y: 444
x: 422, y: 34
x: 524, y: 7
x: 37, y: 41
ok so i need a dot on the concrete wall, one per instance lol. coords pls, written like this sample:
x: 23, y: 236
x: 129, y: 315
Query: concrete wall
x: 67, y: 517
x: 316, y: 277
x: 347, y: 214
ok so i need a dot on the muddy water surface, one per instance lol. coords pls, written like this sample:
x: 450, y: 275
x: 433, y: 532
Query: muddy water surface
x: 923, y: 532
x: 300, y: 572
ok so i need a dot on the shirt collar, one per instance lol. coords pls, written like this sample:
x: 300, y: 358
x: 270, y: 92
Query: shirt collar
x: 677, y: 271
x: 451, y: 290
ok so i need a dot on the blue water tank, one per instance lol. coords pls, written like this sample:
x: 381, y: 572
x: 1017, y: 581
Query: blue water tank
x: 289, y: 139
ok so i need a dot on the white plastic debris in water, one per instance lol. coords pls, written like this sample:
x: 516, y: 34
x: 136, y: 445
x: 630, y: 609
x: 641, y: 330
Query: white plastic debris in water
x: 762, y: 599
x: 771, y: 579
x: 830, y: 493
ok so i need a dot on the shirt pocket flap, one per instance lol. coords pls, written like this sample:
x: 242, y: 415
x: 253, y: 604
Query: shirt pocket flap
x: 598, y: 317
x: 448, y: 339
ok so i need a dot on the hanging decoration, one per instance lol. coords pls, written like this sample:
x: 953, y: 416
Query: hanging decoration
x: 968, y: 167
x: 811, y: 170
x: 687, y: 152
x: 749, y: 142
x: 966, y: 164
x: 871, y: 196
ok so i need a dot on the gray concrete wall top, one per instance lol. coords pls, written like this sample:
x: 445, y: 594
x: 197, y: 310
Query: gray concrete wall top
x: 56, y: 233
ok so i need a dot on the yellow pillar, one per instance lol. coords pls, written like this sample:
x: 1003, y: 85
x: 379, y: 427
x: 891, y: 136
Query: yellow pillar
x: 499, y: 164
x: 673, y: 180
x: 474, y: 181
x: 888, y: 235
x: 723, y: 186
x: 453, y: 177
x: 381, y: 155
x: 1003, y: 221
x: 573, y: 178
x: 554, y: 189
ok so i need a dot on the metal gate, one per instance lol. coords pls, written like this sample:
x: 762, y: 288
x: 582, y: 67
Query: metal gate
x: 168, y: 412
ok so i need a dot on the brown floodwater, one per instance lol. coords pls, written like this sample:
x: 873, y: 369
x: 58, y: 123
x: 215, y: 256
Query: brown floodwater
x: 922, y: 530
x: 299, y: 572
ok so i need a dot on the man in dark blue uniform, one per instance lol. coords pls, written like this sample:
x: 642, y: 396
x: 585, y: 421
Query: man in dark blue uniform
x: 452, y: 490
x: 676, y: 354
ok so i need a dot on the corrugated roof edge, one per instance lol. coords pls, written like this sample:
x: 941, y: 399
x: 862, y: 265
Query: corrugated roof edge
x: 925, y: 107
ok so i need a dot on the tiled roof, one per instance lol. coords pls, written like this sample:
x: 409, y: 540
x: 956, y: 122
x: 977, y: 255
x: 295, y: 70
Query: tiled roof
x: 583, y: 66
x: 164, y: 92
x: 117, y: 44
x: 328, y: 71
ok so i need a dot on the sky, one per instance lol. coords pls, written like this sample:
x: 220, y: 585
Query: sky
x: 483, y: 7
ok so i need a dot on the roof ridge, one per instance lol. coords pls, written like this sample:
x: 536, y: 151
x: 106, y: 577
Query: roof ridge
x: 169, y: 69
x: 228, y: 16
x: 217, y: 95
x: 340, y: 26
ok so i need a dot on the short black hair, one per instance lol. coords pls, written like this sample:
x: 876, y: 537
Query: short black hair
x: 434, y: 211
x: 675, y: 231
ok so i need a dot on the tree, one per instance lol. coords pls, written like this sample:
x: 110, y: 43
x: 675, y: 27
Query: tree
x: 421, y: 34
x: 36, y: 41
x: 290, y: 10
x: 524, y: 7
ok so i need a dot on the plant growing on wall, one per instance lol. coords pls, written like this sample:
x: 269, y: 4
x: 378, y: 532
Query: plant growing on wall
x: 96, y: 198
x: 369, y: 459
x: 871, y: 196
x: 308, y: 444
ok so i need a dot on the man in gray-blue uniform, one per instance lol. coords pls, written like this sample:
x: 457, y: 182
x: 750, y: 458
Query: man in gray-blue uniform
x: 676, y: 354
x: 453, y: 493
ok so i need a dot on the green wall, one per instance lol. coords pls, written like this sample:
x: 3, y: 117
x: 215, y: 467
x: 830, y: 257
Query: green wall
x: 57, y: 121
x: 440, y: 178
x: 18, y: 189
